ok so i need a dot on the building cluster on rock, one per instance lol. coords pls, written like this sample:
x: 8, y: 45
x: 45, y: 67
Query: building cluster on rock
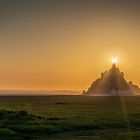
x: 112, y: 82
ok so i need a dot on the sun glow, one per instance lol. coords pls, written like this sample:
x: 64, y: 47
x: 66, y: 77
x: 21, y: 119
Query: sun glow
x: 114, y: 60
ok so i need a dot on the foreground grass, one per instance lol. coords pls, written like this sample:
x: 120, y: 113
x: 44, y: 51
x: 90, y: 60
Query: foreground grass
x: 69, y: 118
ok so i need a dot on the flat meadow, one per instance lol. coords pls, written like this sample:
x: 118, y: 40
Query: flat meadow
x: 69, y: 117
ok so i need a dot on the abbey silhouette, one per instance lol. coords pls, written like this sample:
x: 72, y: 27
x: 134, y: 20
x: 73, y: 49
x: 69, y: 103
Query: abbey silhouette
x: 112, y: 82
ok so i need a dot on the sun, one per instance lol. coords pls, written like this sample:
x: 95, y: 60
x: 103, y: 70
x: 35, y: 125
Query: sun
x: 114, y: 60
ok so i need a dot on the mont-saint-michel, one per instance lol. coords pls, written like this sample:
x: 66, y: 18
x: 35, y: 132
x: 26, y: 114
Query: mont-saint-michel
x: 112, y: 83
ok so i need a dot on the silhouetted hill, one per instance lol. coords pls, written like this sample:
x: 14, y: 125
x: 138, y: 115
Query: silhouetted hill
x: 112, y: 82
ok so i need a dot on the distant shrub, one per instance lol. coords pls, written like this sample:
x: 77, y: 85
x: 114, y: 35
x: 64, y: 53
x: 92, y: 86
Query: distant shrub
x: 6, y: 131
x: 22, y: 113
x: 5, y: 113
x: 13, y: 117
x: 39, y: 117
x: 62, y: 103
x: 54, y: 118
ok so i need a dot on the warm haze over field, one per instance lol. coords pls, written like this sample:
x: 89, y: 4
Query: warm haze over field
x: 66, y: 44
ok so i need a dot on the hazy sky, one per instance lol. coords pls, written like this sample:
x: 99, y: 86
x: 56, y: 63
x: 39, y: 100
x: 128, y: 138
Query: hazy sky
x: 66, y: 44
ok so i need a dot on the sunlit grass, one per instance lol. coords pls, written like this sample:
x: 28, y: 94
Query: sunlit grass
x: 69, y: 118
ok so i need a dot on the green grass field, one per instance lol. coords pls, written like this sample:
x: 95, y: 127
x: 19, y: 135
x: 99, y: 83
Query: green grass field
x: 69, y: 118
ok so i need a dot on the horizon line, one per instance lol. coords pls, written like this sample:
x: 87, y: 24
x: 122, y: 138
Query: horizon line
x: 40, y: 90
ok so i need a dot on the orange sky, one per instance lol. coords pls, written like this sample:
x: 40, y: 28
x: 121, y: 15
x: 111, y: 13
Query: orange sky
x: 66, y: 45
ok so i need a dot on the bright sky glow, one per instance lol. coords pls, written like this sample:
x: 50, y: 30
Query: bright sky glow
x: 114, y: 60
x: 65, y: 44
